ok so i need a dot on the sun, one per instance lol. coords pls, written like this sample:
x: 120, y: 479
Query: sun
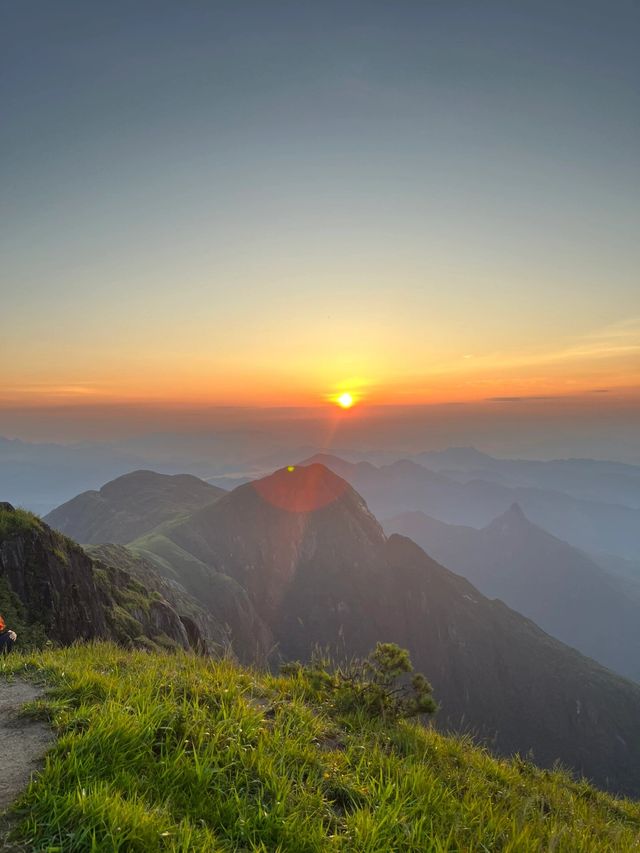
x: 345, y: 401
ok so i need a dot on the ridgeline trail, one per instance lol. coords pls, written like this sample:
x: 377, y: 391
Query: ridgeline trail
x: 23, y: 742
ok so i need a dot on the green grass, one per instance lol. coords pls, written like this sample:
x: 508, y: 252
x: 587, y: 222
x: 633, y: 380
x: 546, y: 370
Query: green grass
x: 174, y: 560
x: 17, y: 521
x: 32, y: 634
x: 176, y: 753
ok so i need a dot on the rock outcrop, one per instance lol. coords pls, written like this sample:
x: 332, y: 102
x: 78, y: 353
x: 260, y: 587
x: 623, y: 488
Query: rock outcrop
x: 53, y: 584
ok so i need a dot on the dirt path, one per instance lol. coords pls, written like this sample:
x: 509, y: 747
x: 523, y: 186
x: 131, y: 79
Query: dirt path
x: 23, y: 742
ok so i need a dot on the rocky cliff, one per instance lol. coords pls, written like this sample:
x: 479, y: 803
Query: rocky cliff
x: 52, y: 588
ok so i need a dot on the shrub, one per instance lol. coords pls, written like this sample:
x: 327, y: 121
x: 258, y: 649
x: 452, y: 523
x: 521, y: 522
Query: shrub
x: 382, y: 685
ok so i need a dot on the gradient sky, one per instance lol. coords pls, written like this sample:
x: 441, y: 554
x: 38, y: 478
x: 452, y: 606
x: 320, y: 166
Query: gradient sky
x: 266, y: 203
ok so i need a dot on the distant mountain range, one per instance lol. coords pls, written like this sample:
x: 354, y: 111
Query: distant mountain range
x: 406, y: 486
x: 585, y: 479
x: 297, y: 559
x: 556, y: 585
x: 591, y: 504
x: 41, y: 476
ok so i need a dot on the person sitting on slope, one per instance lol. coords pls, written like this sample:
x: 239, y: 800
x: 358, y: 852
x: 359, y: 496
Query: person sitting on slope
x: 7, y: 638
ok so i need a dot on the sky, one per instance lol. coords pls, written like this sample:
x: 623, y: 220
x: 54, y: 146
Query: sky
x: 266, y: 204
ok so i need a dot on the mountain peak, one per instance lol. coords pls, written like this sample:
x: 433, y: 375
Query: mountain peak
x: 130, y: 506
x: 325, y: 459
x: 146, y: 479
x: 515, y: 511
x: 302, y: 488
x: 512, y: 520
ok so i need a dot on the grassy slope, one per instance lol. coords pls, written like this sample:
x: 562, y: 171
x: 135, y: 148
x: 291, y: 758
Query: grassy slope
x: 174, y: 561
x: 17, y: 521
x: 172, y: 752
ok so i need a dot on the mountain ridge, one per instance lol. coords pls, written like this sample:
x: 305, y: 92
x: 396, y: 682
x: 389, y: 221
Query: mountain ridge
x: 130, y: 506
x: 558, y: 586
x: 328, y: 576
x: 405, y: 486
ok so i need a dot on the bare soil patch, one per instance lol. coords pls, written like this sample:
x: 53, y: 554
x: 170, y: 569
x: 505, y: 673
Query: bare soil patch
x: 23, y: 742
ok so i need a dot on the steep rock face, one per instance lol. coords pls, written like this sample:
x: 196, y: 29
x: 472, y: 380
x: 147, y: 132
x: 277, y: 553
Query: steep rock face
x: 204, y: 632
x: 130, y: 506
x: 55, y: 582
x: 71, y: 597
x: 318, y: 569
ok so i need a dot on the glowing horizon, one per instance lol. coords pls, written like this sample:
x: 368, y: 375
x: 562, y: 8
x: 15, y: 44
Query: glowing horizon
x: 605, y: 359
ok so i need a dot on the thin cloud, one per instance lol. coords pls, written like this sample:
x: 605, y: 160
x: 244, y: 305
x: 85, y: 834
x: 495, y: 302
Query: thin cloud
x: 523, y: 398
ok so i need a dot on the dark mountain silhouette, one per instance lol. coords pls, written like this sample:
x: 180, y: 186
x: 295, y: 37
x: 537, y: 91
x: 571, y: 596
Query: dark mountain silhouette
x: 556, y: 585
x: 318, y: 569
x: 53, y: 589
x: 406, y: 486
x: 130, y: 506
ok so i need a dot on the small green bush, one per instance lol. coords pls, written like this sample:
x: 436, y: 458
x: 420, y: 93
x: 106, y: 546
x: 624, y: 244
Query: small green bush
x: 380, y: 685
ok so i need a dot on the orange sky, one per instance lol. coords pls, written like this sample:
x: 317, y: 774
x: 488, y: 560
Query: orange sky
x: 409, y: 373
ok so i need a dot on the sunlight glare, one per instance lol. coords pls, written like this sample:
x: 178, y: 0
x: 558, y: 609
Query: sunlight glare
x: 345, y: 401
